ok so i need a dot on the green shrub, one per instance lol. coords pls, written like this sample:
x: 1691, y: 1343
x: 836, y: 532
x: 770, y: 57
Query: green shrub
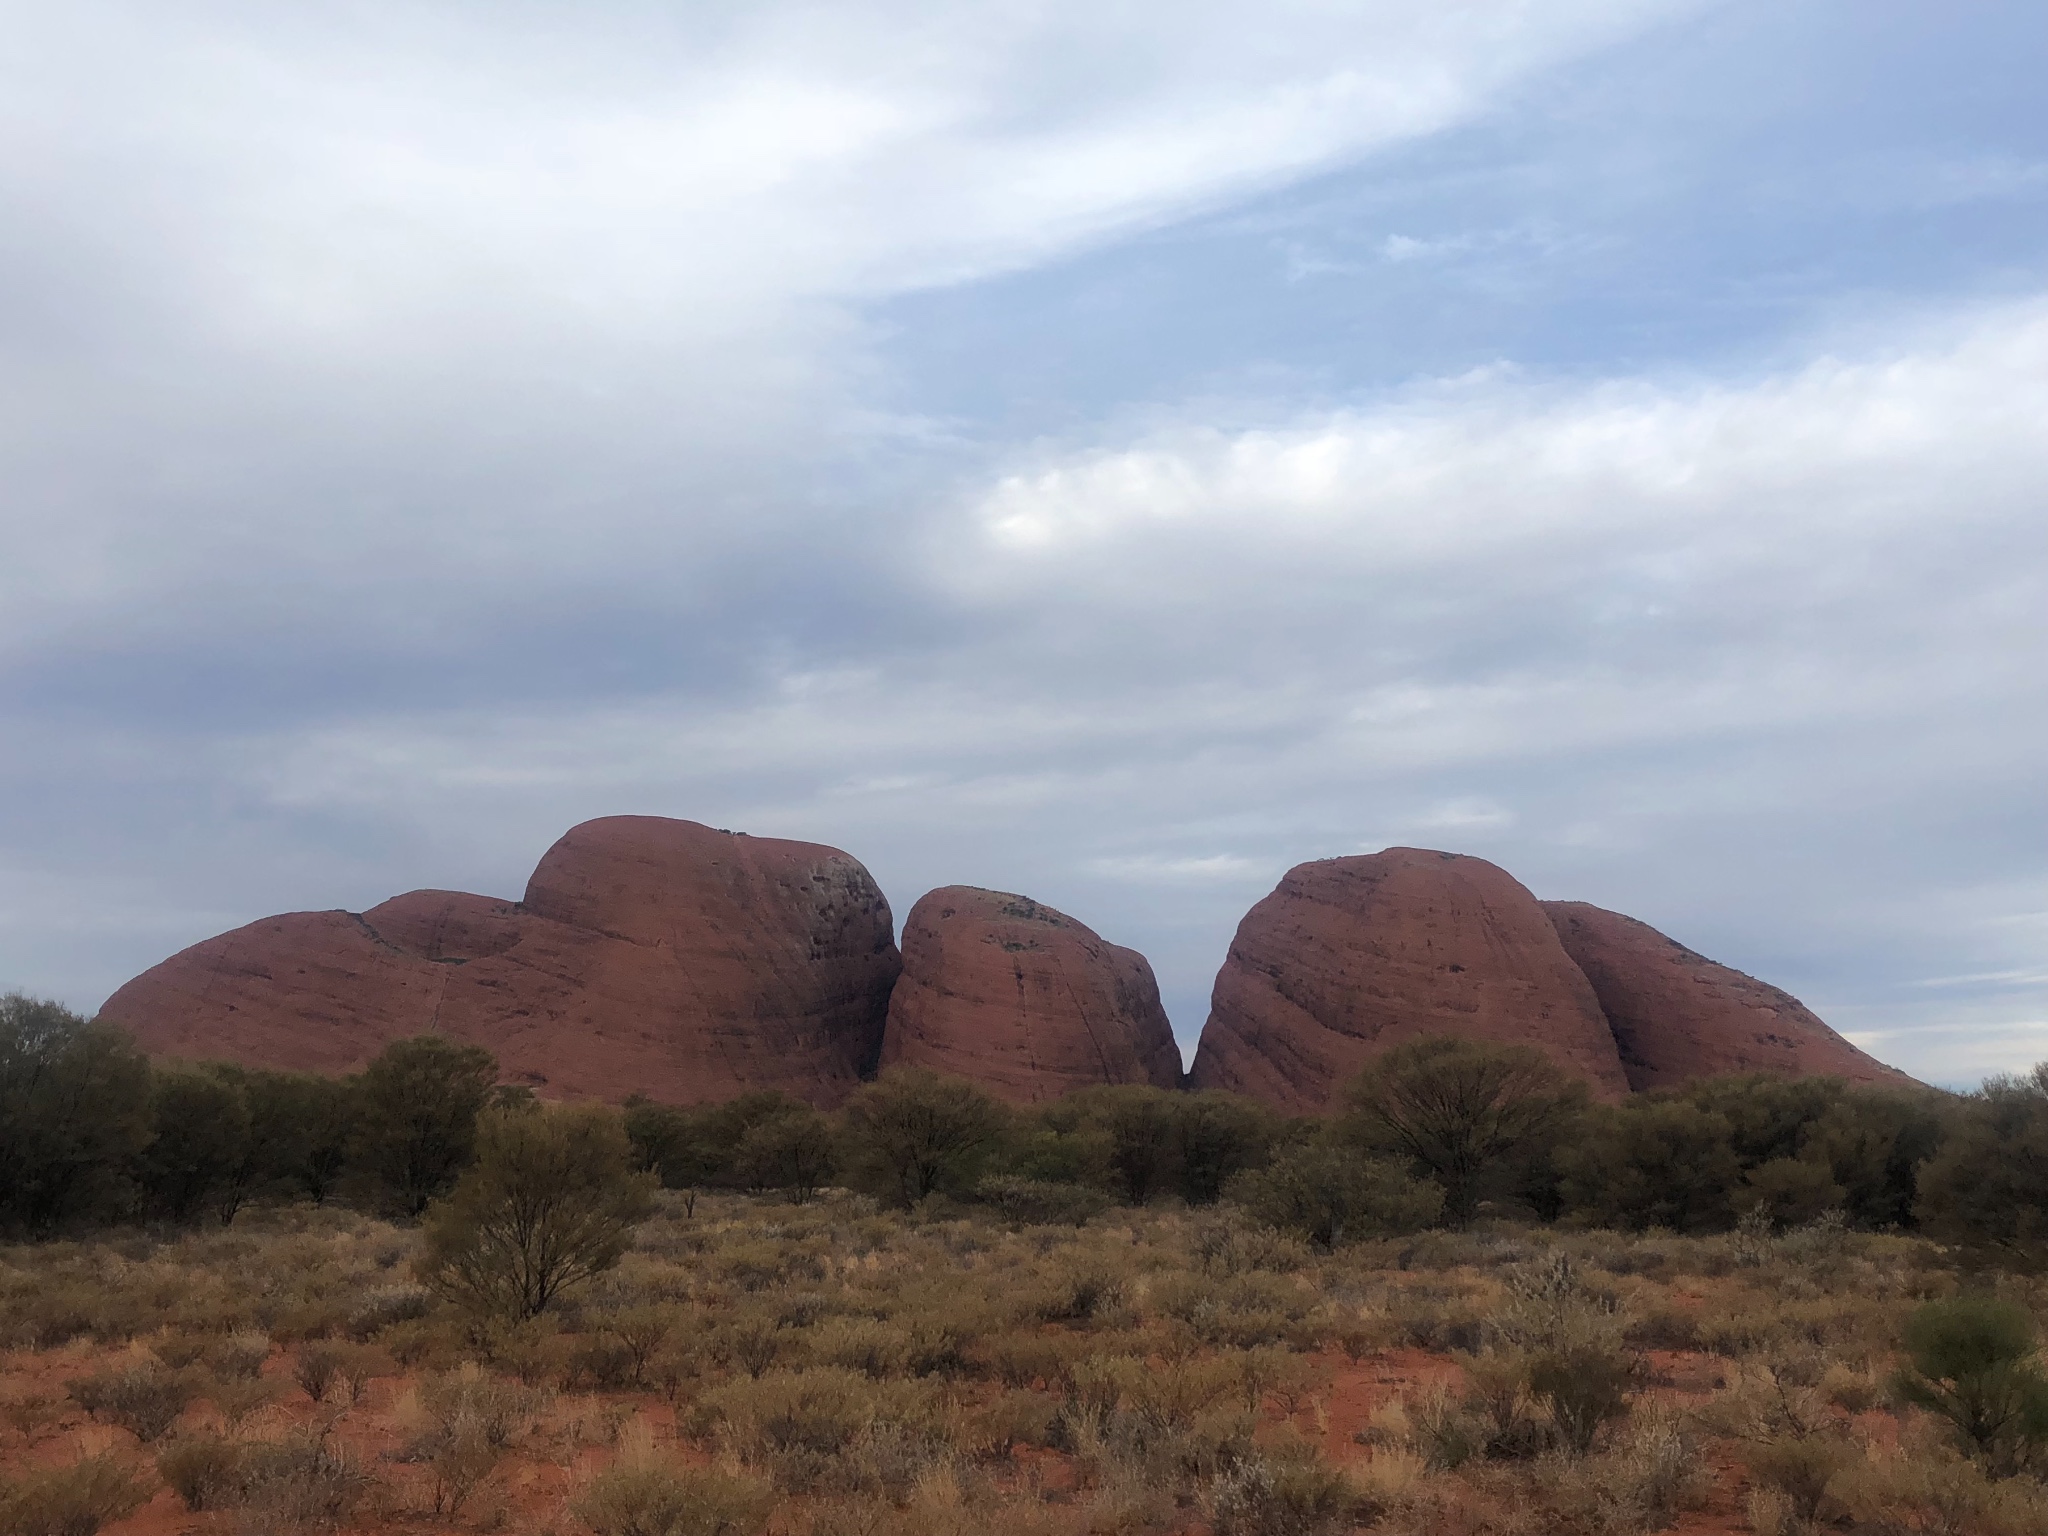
x: 74, y: 1500
x: 1972, y: 1362
x: 1585, y: 1387
x: 645, y: 1496
x: 1330, y: 1193
x: 550, y: 1203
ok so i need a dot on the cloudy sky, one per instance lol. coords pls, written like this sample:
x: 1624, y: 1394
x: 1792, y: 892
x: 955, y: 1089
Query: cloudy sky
x: 1112, y: 452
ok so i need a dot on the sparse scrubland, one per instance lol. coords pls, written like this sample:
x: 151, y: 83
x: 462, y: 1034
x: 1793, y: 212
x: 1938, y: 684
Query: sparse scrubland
x: 1469, y: 1302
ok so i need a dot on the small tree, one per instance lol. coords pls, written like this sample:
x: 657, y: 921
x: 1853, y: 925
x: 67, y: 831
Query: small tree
x: 1217, y: 1136
x: 416, y: 1113
x: 1470, y: 1114
x: 200, y: 1141
x: 550, y: 1202
x: 1973, y: 1363
x: 1331, y: 1193
x: 74, y: 1112
x: 912, y: 1132
x: 792, y: 1152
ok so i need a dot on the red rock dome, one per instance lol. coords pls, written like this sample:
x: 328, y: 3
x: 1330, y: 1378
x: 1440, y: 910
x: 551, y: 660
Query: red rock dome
x: 1678, y: 1016
x: 1348, y: 957
x: 650, y: 956
x: 1023, y: 1000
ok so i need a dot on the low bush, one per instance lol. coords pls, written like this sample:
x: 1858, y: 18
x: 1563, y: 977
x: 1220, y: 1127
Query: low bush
x: 1972, y: 1362
x: 73, y: 1500
x: 143, y: 1399
x: 206, y: 1471
x: 649, y: 1496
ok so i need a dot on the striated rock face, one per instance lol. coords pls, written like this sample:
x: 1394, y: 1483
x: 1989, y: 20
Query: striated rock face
x: 649, y: 956
x: 1678, y: 1016
x: 1351, y: 956
x: 1023, y: 1000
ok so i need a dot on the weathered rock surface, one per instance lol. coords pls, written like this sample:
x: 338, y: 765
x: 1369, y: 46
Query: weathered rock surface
x: 1349, y: 957
x: 649, y: 956
x: 1677, y: 1016
x: 1023, y: 1000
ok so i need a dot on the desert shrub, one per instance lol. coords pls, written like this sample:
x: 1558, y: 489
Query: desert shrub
x: 1585, y: 1388
x: 385, y: 1306
x: 912, y: 1133
x: 143, y: 1399
x: 649, y: 1496
x: 550, y: 1203
x: 1481, y: 1120
x: 73, y: 1500
x: 1651, y: 1161
x: 1040, y: 1202
x: 1971, y: 1361
x: 1799, y: 1471
x: 1442, y: 1431
x: 74, y: 1112
x: 416, y: 1109
x: 1875, y: 1142
x: 239, y: 1356
x: 1987, y: 1188
x: 206, y: 1471
x: 300, y: 1484
x: 791, y: 1152
x: 827, y: 1428
x: 1263, y: 1497
x: 317, y: 1368
x: 1923, y: 1490
x: 1330, y: 1193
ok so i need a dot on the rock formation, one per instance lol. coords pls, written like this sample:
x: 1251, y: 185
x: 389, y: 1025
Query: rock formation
x: 1023, y: 1000
x: 649, y: 956
x: 1350, y: 956
x: 1677, y: 1016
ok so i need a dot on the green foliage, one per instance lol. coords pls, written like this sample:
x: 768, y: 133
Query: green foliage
x: 1987, y: 1188
x: 300, y: 1130
x: 1652, y: 1161
x: 1585, y: 1386
x: 1480, y: 1119
x: 74, y: 1112
x: 416, y: 1113
x: 912, y: 1133
x: 793, y: 1152
x: 199, y: 1143
x: 550, y: 1202
x: 1332, y: 1193
x: 1972, y: 1362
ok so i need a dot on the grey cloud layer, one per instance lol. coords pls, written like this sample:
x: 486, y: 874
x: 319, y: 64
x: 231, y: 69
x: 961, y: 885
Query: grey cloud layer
x: 428, y: 427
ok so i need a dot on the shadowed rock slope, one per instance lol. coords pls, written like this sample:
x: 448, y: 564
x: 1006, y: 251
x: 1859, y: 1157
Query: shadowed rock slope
x: 1023, y: 1000
x: 648, y: 956
x: 1678, y: 1016
x: 1350, y: 956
